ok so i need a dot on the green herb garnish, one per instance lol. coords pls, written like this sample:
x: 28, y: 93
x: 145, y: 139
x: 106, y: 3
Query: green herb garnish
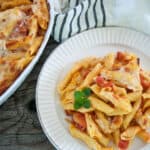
x: 87, y: 91
x: 79, y: 95
x: 77, y: 105
x: 87, y: 103
x: 81, y: 98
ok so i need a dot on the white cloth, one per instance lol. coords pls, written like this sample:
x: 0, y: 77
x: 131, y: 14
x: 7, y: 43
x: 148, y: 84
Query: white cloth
x: 74, y: 16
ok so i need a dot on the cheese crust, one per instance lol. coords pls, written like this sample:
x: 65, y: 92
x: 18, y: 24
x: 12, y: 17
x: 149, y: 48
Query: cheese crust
x: 22, y: 30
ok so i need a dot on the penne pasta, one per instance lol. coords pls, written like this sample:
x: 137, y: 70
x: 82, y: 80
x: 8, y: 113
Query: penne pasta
x: 92, y: 143
x: 100, y: 105
x: 116, y: 136
x: 94, y: 132
x: 116, y: 123
x: 128, y: 118
x: 146, y: 95
x: 12, y: 45
x: 97, y: 91
x: 130, y: 133
x: 118, y: 112
x: 82, y: 64
x: 40, y: 10
x: 22, y: 63
x: 109, y: 60
x: 118, y: 102
x: 33, y: 27
x: 34, y: 47
x: 146, y: 104
x: 90, y: 77
x: 109, y: 99
x: 143, y: 119
x: 7, y: 4
x: 103, y: 122
x: 134, y: 96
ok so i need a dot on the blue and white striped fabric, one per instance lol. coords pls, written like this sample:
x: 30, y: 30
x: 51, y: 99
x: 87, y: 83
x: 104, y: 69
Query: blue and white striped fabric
x: 75, y: 16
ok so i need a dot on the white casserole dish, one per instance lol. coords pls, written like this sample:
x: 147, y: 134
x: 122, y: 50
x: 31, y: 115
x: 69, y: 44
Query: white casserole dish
x: 29, y: 68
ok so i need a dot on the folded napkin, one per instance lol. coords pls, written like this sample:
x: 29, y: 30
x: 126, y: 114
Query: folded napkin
x: 75, y: 16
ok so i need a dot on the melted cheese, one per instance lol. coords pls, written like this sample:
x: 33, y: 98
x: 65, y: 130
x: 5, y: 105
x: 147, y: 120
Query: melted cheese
x: 8, y: 20
x: 129, y: 79
x: 15, y: 40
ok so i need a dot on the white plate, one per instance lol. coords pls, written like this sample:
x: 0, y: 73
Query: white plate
x: 96, y: 42
x: 29, y: 68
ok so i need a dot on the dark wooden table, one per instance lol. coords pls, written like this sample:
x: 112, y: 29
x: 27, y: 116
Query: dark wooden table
x: 19, y: 126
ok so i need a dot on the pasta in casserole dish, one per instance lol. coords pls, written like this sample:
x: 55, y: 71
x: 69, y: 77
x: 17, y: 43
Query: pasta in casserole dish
x: 22, y: 28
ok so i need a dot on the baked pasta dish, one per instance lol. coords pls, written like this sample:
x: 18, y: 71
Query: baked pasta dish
x: 107, y: 100
x: 23, y: 24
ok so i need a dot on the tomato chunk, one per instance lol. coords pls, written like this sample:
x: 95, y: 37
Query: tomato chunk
x: 120, y: 56
x: 103, y: 83
x: 100, y: 80
x: 79, y: 120
x: 84, y: 73
x: 69, y: 112
x: 108, y: 84
x: 123, y: 145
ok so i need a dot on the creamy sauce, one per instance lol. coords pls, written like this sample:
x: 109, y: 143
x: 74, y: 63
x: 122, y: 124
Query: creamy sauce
x: 8, y: 20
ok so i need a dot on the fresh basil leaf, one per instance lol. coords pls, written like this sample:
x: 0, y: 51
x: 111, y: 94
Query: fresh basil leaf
x: 77, y: 105
x: 87, y: 103
x: 87, y: 91
x: 78, y: 95
x: 80, y: 98
x: 79, y: 101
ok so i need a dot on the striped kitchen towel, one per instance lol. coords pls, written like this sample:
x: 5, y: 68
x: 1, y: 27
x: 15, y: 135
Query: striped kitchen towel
x: 75, y: 16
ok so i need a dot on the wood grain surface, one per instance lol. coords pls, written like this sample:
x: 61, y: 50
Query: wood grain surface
x: 19, y: 126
